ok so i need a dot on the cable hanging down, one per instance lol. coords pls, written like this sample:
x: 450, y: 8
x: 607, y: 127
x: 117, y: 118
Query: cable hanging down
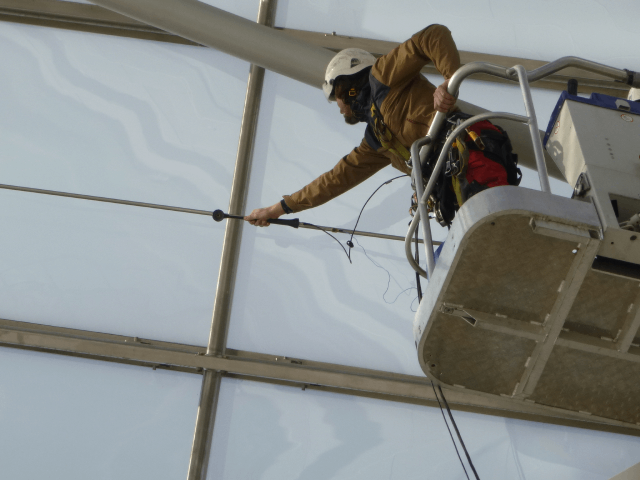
x: 350, y: 241
x: 457, y: 432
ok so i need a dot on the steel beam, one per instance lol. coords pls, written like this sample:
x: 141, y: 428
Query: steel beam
x: 632, y: 473
x: 281, y: 370
x: 211, y: 383
x: 215, y: 28
x: 81, y: 17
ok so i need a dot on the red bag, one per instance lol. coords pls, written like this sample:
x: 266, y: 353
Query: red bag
x: 480, y: 168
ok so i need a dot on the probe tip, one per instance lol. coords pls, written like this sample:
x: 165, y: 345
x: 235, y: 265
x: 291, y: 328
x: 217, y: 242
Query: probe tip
x: 218, y: 215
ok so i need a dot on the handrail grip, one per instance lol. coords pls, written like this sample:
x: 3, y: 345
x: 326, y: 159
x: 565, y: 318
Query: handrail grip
x: 533, y: 127
x: 416, y: 177
x: 618, y: 74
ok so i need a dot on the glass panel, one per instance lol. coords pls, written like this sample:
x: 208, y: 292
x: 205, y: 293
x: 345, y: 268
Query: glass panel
x: 266, y: 431
x: 119, y: 117
x: 109, y: 268
x: 519, y: 29
x: 63, y: 417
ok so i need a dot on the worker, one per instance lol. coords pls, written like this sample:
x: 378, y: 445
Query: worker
x: 396, y: 102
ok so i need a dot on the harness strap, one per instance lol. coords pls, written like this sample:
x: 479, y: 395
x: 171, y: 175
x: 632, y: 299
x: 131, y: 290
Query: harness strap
x: 459, y: 179
x: 386, y: 138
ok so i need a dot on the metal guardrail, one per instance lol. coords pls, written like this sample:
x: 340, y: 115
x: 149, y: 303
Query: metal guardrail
x: 518, y: 72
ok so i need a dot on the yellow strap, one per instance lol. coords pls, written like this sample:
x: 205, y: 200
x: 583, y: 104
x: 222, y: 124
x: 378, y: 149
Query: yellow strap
x: 458, y: 181
x: 385, y: 137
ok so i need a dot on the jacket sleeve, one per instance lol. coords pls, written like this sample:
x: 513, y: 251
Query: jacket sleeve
x: 433, y: 44
x: 350, y: 171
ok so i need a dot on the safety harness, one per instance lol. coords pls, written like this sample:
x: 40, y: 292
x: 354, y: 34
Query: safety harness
x: 386, y: 138
x: 480, y: 158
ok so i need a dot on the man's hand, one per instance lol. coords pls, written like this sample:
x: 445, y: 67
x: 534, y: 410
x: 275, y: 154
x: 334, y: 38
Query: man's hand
x: 443, y: 101
x: 259, y: 216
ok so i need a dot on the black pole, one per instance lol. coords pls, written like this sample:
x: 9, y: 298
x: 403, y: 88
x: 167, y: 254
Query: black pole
x: 219, y: 215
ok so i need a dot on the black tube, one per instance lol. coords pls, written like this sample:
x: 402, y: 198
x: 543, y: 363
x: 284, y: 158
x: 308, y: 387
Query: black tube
x: 219, y: 215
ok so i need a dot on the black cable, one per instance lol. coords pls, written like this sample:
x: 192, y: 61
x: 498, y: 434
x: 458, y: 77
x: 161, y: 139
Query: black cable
x: 411, y: 305
x: 388, y: 280
x: 350, y: 241
x: 445, y: 422
x: 339, y: 242
x: 458, y: 432
x: 418, y: 286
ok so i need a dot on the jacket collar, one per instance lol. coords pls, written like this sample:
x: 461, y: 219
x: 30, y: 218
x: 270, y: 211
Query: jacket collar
x: 361, y: 105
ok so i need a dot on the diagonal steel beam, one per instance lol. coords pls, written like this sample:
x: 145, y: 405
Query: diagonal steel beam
x: 95, y: 19
x: 215, y: 28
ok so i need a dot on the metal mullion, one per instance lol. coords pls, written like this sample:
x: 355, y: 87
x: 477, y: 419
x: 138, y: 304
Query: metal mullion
x: 212, y: 380
x: 285, y: 371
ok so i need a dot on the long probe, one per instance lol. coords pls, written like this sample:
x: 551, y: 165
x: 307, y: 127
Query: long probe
x: 187, y: 210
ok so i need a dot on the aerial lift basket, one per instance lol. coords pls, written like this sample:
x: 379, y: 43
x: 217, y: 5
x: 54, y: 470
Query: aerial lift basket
x: 536, y: 297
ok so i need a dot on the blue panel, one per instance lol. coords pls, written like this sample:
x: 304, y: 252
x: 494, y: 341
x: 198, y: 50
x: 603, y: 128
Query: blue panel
x: 596, y: 99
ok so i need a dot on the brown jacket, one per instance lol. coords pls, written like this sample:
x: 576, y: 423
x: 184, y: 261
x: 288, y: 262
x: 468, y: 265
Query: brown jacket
x: 405, y: 100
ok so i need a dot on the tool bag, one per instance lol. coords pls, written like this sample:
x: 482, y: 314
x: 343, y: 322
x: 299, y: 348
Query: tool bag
x: 480, y: 158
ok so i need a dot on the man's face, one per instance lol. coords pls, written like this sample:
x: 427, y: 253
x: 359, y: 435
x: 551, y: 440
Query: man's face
x: 345, y: 110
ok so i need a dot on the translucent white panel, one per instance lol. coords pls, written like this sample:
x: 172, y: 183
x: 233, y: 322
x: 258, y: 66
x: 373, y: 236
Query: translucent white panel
x: 75, y: 419
x: 119, y: 117
x: 297, y: 295
x: 272, y: 432
x: 109, y: 268
x: 601, y: 31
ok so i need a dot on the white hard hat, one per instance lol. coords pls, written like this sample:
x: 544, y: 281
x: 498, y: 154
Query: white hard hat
x: 346, y: 62
x: 634, y: 95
